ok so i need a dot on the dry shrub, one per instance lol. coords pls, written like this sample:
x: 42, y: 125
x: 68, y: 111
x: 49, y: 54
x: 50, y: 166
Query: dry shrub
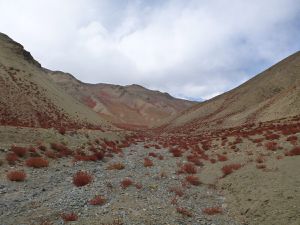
x: 16, y: 175
x: 148, y: 162
x: 260, y: 166
x: 212, y: 210
x: 138, y: 186
x: 292, y: 138
x: 176, y: 152
x: 271, y: 145
x: 177, y: 191
x: 294, y: 151
x: 116, y: 166
x: 126, y: 183
x: 189, y: 168
x: 222, y: 158
x: 11, y: 158
x: 98, y: 200
x: 37, y: 162
x: 228, y: 169
x: 69, y: 217
x: 184, y: 211
x: 82, y: 178
x: 19, y: 151
x: 152, y: 154
x: 50, y: 154
x: 194, y: 180
x: 160, y: 157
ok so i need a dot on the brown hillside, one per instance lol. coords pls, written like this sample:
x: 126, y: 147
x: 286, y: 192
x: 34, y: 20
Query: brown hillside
x: 29, y: 98
x: 126, y: 106
x: 271, y: 95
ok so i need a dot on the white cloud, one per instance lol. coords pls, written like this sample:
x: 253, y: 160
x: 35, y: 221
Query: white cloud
x: 192, y: 49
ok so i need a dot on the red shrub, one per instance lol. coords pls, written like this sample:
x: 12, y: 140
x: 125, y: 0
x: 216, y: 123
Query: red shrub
x: 37, y: 162
x: 152, y: 154
x: 222, y: 158
x: 294, y: 151
x: 11, y: 158
x: 189, y: 168
x: 82, y: 178
x: 116, y: 166
x: 62, y: 130
x: 194, y: 180
x: 69, y: 217
x: 20, y: 151
x: 260, y: 159
x: 160, y: 157
x: 176, y: 152
x: 50, y: 154
x: 42, y: 147
x: 126, y: 183
x: 98, y: 200
x: 184, y: 212
x: 138, y: 186
x: 194, y: 159
x: 147, y: 162
x: 213, y: 160
x: 292, y: 138
x: 228, y: 169
x: 177, y: 191
x: 16, y: 175
x: 271, y: 146
x: 272, y: 136
x: 260, y: 166
x: 212, y: 210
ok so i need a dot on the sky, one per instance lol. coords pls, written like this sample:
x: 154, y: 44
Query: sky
x: 192, y: 49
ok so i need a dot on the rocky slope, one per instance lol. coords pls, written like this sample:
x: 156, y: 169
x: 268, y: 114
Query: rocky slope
x: 131, y: 106
x: 29, y: 98
x: 271, y: 95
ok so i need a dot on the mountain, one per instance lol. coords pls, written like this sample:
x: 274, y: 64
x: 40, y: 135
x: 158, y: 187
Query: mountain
x: 271, y: 95
x: 131, y: 106
x: 29, y: 97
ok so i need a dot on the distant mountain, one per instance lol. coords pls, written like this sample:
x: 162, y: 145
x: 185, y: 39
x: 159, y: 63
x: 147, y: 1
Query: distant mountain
x: 126, y: 106
x: 271, y: 95
x: 37, y: 97
x: 30, y: 98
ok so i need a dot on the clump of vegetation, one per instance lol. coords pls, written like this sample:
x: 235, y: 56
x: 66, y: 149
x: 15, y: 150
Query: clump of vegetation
x: 184, y: 211
x: 148, y: 162
x: 12, y: 158
x: 16, y: 175
x: 82, y: 178
x: 126, y: 183
x: 116, y: 166
x: 189, y: 168
x: 19, y: 151
x: 193, y: 180
x: 228, y: 169
x: 212, y: 210
x: 98, y: 200
x: 67, y: 217
x: 37, y: 162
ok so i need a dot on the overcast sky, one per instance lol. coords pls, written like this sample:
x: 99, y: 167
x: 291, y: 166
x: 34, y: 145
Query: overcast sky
x: 191, y: 49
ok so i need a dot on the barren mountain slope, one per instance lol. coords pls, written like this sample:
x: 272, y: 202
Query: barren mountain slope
x: 129, y: 106
x: 29, y: 98
x: 273, y: 94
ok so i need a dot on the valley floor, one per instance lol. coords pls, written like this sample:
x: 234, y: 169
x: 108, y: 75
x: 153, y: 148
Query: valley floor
x: 226, y: 178
x: 49, y: 192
